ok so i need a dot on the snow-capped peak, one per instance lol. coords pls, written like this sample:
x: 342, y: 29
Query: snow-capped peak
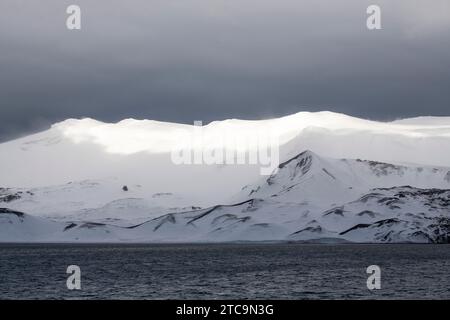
x: 309, y: 176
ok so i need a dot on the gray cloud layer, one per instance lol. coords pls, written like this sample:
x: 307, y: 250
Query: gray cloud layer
x: 185, y: 60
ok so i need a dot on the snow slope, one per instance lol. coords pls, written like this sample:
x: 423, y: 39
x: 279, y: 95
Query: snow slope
x: 66, y: 183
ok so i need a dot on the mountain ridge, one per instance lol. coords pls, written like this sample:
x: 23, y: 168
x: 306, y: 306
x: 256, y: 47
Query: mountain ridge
x: 283, y: 208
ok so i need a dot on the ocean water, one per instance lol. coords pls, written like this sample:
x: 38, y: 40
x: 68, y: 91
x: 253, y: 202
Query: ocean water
x: 225, y: 271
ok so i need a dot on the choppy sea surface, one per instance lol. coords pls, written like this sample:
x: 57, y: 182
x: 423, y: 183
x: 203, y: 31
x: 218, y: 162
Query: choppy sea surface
x: 224, y: 271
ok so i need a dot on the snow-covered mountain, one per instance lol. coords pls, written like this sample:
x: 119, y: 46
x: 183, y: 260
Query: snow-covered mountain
x: 339, y: 179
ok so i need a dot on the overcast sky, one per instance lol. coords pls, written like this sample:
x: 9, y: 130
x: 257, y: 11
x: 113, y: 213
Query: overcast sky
x: 186, y: 60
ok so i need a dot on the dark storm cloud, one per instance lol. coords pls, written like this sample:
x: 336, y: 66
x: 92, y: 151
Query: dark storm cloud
x: 186, y: 60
